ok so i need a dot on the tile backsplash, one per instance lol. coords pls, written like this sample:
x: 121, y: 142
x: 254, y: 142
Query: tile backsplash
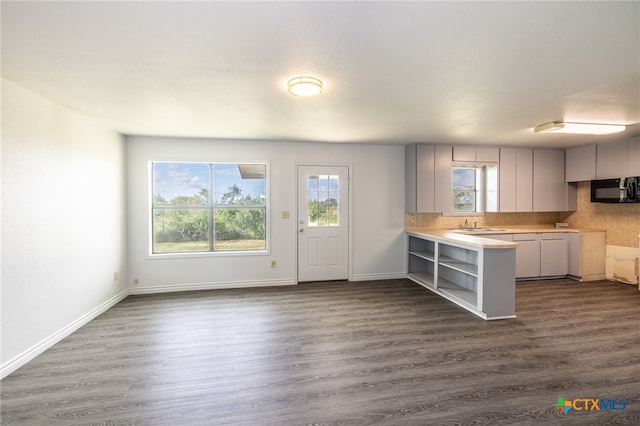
x: 493, y: 220
x: 622, y: 222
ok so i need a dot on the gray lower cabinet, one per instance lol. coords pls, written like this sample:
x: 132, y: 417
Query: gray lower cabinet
x: 527, y: 255
x: 578, y: 255
x: 553, y: 255
x: 481, y: 280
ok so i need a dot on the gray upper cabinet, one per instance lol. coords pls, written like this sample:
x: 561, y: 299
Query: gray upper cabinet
x: 634, y: 156
x: 443, y: 179
x: 419, y: 178
x: 516, y: 180
x: 482, y: 154
x: 612, y: 160
x: 581, y: 164
x: 550, y: 191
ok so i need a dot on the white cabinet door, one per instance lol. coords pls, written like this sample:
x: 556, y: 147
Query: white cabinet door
x: 524, y: 180
x: 634, y: 156
x: 419, y: 178
x: 486, y: 154
x: 549, y: 186
x: 425, y: 179
x: 507, y: 189
x: 410, y: 179
x: 464, y: 153
x: 612, y: 160
x: 516, y: 180
x: 481, y: 154
x: 553, y: 255
x: 580, y: 164
x: 443, y: 178
x: 527, y: 255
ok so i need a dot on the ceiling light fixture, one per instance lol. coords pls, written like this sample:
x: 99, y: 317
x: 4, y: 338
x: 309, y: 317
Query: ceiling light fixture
x: 579, y: 128
x: 304, y: 86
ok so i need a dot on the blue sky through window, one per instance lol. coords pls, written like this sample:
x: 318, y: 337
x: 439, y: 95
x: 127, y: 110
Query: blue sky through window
x: 172, y: 180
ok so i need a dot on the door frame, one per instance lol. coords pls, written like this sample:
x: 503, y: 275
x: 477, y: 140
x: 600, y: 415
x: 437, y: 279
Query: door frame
x: 350, y: 215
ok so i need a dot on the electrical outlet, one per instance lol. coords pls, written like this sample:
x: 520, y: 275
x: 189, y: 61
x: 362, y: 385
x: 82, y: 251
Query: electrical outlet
x: 136, y: 281
x: 273, y: 263
x: 116, y: 276
x: 413, y: 218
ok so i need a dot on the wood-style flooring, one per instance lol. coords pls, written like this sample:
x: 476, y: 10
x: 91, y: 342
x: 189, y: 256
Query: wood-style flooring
x: 339, y: 353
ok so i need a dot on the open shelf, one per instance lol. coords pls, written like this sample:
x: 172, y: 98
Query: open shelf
x: 427, y: 255
x: 478, y: 278
x: 425, y: 279
x: 462, y: 293
x: 459, y: 265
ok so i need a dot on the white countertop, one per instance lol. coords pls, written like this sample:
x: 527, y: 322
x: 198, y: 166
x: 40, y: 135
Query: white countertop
x: 447, y: 235
x: 483, y: 238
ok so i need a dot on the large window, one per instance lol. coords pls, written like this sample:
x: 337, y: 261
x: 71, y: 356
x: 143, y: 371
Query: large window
x: 203, y: 207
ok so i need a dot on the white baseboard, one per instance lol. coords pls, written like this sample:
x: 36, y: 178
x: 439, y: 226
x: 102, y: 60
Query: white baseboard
x: 209, y: 286
x: 26, y: 356
x: 375, y: 277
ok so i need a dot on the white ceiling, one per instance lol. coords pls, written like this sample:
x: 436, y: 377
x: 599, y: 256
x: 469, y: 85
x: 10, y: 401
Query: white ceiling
x: 395, y: 72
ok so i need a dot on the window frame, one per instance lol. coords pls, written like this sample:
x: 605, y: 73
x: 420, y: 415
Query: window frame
x: 482, y: 189
x: 211, y: 208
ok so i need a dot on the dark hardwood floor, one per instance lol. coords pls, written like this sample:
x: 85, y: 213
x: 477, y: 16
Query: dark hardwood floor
x: 339, y: 353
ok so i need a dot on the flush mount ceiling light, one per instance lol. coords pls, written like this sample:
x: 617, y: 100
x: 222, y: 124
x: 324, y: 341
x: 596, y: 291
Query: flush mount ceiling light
x: 304, y: 86
x: 579, y: 128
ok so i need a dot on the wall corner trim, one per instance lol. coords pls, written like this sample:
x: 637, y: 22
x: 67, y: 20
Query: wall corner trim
x: 26, y: 356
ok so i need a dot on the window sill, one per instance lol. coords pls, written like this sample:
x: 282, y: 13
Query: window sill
x: 196, y: 255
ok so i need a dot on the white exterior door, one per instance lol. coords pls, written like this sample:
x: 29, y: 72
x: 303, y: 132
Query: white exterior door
x: 323, y: 223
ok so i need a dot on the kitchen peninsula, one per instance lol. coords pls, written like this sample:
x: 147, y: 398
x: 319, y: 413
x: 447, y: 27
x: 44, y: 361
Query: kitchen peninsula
x: 474, y: 272
x: 477, y: 268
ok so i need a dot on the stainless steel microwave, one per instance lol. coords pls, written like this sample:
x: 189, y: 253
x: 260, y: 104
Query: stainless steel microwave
x: 622, y: 190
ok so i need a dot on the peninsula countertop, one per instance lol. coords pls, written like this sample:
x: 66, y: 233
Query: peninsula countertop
x: 482, y: 237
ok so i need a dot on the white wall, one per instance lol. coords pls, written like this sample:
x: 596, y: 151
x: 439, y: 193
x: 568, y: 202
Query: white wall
x: 377, y: 211
x: 63, y: 223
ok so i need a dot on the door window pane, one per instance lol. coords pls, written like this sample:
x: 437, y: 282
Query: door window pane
x: 323, y: 199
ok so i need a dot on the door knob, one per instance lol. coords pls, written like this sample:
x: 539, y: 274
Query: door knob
x: 301, y: 229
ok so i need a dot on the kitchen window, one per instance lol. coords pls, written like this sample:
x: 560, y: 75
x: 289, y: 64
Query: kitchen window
x: 208, y: 207
x: 475, y: 189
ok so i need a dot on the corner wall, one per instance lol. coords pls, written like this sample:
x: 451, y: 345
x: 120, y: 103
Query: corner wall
x: 63, y: 223
x: 622, y: 223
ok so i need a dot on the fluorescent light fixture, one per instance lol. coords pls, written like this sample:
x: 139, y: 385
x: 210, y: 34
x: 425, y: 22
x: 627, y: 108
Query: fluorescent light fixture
x: 579, y: 128
x: 305, y: 86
